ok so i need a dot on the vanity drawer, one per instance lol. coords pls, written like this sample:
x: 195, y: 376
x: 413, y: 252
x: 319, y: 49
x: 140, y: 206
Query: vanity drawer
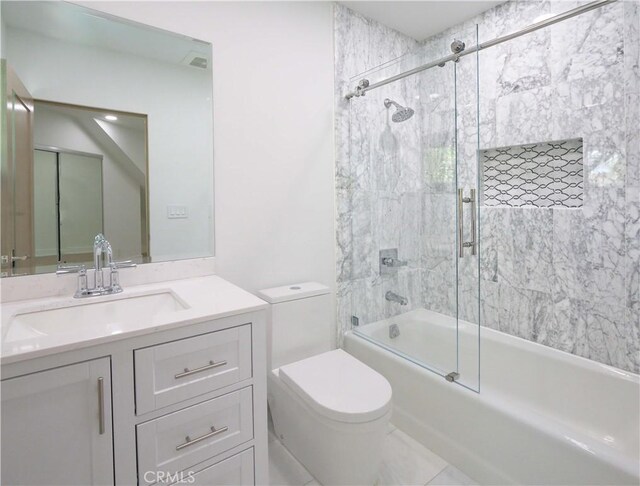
x: 176, y: 371
x: 180, y: 440
x: 236, y: 470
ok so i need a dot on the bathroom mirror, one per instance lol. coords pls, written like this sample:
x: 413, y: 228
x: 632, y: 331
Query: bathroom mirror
x: 107, y: 127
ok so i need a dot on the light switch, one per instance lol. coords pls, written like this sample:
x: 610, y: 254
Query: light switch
x: 177, y: 212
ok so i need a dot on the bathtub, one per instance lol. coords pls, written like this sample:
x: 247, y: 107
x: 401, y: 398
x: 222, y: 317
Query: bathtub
x: 542, y: 416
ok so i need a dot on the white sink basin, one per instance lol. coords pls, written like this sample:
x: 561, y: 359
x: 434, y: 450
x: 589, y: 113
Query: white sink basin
x: 108, y: 316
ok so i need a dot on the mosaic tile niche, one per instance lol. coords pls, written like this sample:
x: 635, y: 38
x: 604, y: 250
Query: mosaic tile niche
x: 539, y: 175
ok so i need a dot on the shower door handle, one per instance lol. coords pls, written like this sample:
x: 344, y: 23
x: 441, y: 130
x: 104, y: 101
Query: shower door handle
x: 474, y: 215
x: 461, y: 202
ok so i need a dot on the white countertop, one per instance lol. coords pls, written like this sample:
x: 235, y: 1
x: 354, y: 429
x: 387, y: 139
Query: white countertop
x: 205, y: 298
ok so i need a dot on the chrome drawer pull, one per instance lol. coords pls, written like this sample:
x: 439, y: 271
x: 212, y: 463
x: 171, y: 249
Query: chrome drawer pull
x: 211, y: 365
x: 189, y: 441
x: 101, y: 415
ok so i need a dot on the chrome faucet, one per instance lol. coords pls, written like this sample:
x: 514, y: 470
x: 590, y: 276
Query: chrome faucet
x: 101, y: 251
x: 98, y: 251
x: 393, y: 297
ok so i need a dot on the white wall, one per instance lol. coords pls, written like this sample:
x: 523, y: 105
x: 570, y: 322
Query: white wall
x: 2, y: 36
x: 273, y: 132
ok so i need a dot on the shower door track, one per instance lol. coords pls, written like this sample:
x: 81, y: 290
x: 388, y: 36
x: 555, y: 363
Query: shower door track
x: 364, y: 85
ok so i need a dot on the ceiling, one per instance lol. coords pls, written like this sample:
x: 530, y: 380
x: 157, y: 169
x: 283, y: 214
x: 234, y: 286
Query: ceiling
x: 86, y: 115
x: 420, y: 19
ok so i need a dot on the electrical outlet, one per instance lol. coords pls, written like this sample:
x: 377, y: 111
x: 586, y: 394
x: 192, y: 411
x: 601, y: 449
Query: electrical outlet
x: 177, y: 212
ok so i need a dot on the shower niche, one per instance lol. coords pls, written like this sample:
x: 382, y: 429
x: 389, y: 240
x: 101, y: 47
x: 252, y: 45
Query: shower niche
x: 543, y: 175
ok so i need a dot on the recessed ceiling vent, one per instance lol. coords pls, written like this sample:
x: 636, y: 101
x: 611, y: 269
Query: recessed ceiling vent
x: 196, y: 59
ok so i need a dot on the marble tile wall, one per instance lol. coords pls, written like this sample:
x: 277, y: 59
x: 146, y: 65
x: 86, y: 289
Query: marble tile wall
x: 564, y: 277
x: 377, y: 173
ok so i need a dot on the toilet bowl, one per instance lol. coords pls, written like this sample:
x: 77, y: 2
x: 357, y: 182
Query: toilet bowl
x: 330, y: 410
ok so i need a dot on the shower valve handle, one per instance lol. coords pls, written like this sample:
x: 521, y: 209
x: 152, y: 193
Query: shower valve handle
x: 393, y: 262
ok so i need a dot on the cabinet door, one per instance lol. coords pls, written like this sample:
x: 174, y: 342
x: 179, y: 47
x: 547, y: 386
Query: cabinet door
x: 56, y: 426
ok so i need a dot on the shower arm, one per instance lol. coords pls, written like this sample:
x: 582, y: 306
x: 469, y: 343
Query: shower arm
x: 365, y: 86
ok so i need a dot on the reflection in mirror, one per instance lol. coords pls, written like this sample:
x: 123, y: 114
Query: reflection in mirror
x: 90, y: 176
x: 107, y: 128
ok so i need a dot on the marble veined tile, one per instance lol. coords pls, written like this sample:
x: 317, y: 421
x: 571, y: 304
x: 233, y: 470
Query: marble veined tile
x: 525, y: 248
x: 397, y: 221
x: 590, y: 44
x: 632, y: 257
x: 588, y: 249
x: 438, y: 230
x: 632, y: 46
x: 524, y: 313
x: 523, y: 64
x: 467, y: 75
x: 364, y: 43
x: 632, y: 139
x: 633, y: 323
x: 367, y: 298
x: 409, y: 286
x: 363, y: 260
x: 344, y: 309
x: 601, y: 332
x: 490, y: 304
x: 469, y: 301
x: 439, y: 291
x: 611, y: 336
x: 524, y: 117
x: 511, y: 16
x: 489, y: 231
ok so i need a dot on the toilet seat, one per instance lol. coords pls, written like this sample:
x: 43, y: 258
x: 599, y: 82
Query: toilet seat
x: 339, y: 387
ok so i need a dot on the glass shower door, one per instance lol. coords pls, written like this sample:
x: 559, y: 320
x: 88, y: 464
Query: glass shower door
x: 439, y: 305
x: 397, y: 231
x: 408, y: 214
x: 469, y: 252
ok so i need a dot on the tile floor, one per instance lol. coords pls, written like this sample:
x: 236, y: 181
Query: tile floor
x: 407, y: 462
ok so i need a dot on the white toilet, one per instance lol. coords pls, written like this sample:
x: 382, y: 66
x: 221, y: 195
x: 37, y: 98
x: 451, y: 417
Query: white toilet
x: 330, y: 410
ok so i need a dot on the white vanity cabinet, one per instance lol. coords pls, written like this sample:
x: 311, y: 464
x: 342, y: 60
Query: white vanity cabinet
x: 172, y: 372
x: 182, y: 403
x: 56, y: 426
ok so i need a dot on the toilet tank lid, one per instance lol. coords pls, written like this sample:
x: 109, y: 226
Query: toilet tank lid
x: 290, y: 292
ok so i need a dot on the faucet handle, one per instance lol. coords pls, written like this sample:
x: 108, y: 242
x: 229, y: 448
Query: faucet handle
x: 393, y: 262
x: 124, y: 264
x: 114, y: 277
x: 81, y: 270
x: 64, y: 269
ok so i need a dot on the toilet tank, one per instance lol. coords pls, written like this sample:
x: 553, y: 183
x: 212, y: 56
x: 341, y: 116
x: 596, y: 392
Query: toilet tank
x: 300, y: 322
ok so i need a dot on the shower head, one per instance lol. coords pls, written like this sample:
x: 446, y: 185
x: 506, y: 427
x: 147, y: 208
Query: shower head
x: 401, y: 114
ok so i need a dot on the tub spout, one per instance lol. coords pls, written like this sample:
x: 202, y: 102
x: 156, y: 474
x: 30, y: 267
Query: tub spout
x: 393, y: 297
